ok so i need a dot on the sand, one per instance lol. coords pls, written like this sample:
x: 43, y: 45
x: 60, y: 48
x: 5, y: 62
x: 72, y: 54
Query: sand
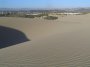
x: 60, y: 43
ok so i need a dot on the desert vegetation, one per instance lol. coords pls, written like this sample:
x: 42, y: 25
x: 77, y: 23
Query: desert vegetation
x: 45, y: 15
x: 51, y: 17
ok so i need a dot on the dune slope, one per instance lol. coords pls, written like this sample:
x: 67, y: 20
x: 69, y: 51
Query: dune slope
x: 61, y: 43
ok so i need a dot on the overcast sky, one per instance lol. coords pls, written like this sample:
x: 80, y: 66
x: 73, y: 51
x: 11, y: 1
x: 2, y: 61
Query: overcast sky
x: 44, y: 3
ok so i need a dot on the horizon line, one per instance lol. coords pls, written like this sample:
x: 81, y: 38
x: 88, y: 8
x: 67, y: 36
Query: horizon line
x: 39, y: 8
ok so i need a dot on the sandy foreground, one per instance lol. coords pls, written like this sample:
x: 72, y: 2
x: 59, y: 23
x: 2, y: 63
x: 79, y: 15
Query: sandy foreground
x: 53, y: 43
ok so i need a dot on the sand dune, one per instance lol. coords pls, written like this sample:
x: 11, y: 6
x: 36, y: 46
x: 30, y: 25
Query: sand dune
x: 60, y: 43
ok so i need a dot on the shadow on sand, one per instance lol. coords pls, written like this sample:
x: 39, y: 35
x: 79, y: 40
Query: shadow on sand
x: 10, y: 37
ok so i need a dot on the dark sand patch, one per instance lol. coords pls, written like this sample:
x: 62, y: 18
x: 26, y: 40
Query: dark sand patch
x: 9, y: 37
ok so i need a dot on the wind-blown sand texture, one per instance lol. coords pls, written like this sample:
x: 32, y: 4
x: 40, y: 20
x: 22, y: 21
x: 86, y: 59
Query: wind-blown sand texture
x: 53, y: 43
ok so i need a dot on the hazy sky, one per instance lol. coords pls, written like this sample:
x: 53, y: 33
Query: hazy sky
x: 44, y: 3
